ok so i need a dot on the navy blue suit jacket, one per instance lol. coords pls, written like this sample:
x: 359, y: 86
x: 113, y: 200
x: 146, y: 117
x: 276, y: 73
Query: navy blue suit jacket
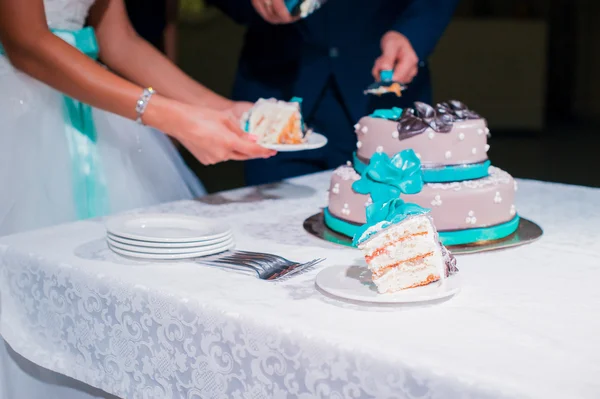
x: 340, y: 40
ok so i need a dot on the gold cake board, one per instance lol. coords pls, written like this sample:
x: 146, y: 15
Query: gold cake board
x: 526, y: 233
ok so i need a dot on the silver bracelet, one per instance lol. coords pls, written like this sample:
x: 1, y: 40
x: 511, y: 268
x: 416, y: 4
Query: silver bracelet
x: 142, y: 103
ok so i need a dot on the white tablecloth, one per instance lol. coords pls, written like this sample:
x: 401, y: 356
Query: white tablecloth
x: 526, y: 323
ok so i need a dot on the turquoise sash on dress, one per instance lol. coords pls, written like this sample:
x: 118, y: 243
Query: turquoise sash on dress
x: 89, y: 185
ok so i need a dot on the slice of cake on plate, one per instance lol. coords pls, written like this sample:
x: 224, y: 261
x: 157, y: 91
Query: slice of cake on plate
x: 399, y: 241
x: 274, y: 121
x: 405, y: 253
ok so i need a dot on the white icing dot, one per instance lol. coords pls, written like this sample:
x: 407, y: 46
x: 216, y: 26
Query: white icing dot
x: 418, y: 155
x: 513, y: 210
x: 487, y: 147
x: 379, y: 149
x: 474, y: 150
x: 497, y: 197
x: 480, y: 131
x: 336, y: 188
x: 357, y: 126
x: 369, y: 202
x: 487, y: 130
x: 364, y: 129
x: 395, y: 134
x: 346, y: 209
x: 437, y: 201
x: 358, y: 144
x: 347, y: 173
x: 461, y: 136
x: 348, y: 163
x: 471, y: 219
x: 431, y: 135
x: 448, y: 154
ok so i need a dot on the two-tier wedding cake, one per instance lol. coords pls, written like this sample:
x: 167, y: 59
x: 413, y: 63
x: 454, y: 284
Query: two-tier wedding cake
x: 469, y: 200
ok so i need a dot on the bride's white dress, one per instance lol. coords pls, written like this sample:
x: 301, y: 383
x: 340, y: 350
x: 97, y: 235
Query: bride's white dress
x: 140, y: 166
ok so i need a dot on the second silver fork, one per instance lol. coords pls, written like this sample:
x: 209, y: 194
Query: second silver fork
x: 267, y: 266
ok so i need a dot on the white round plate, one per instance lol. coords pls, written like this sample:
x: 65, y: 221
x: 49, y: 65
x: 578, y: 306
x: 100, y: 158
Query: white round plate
x: 166, y: 228
x: 354, y: 283
x: 144, y: 255
x: 166, y: 251
x: 174, y: 245
x: 315, y: 140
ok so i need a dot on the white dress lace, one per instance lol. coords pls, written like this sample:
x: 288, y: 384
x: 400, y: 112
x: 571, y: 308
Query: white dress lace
x: 140, y: 166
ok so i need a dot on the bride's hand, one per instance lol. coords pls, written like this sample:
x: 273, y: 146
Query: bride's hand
x: 274, y: 11
x: 238, y: 108
x: 215, y: 136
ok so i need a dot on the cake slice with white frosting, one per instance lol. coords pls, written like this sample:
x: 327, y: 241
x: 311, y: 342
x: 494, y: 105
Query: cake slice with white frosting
x: 405, y: 254
x: 274, y: 121
x: 399, y: 241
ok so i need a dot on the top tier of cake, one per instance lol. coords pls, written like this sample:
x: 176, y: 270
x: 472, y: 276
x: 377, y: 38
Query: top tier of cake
x: 450, y: 139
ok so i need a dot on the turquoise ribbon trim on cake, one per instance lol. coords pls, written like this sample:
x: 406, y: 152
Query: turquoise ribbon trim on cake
x: 461, y: 237
x: 340, y: 226
x: 456, y: 173
x: 89, y: 186
x: 446, y: 174
x: 392, y: 114
x: 448, y: 238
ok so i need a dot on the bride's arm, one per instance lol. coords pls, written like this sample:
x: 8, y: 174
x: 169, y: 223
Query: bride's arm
x: 33, y: 49
x: 122, y: 50
x: 210, y: 135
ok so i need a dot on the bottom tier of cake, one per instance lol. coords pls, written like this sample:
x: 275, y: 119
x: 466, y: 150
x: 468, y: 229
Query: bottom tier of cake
x: 463, y: 212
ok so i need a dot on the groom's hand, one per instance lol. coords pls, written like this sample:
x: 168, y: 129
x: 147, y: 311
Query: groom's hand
x: 274, y: 11
x: 397, y: 54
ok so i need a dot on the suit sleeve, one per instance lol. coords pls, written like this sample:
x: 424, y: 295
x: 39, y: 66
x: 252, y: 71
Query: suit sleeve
x: 241, y: 11
x: 423, y: 22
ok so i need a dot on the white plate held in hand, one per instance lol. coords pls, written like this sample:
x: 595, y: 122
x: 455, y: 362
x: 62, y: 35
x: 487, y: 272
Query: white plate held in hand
x: 163, y: 228
x: 354, y: 283
x: 314, y: 141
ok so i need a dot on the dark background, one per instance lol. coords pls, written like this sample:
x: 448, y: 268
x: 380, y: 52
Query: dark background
x: 531, y: 67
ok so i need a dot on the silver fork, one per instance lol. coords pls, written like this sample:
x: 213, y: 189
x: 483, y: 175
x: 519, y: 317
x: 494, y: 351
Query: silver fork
x: 267, y: 266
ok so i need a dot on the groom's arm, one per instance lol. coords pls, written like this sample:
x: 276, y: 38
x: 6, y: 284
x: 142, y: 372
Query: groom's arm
x: 241, y: 11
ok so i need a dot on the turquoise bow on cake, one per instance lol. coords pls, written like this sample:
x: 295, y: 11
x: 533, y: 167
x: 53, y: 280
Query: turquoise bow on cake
x: 386, y: 180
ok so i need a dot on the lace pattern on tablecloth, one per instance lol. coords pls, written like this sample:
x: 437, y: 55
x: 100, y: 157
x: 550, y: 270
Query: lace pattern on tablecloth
x: 82, y: 319
x: 137, y: 343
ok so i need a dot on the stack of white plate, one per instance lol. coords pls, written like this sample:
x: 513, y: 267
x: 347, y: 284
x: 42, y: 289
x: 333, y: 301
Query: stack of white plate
x: 167, y: 236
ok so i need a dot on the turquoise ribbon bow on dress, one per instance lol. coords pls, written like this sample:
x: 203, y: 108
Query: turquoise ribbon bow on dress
x: 89, y: 185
